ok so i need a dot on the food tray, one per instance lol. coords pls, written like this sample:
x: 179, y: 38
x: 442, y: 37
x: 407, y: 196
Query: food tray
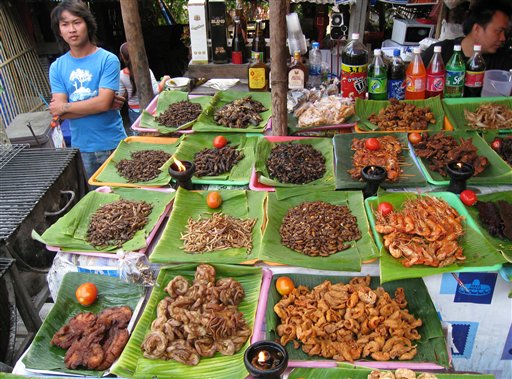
x: 490, y: 136
x: 480, y: 254
x: 498, y: 172
x: 364, y: 108
x: 42, y: 358
x: 145, y: 122
x: 260, y: 182
x: 293, y: 129
x: 343, y: 162
x: 454, y: 109
x: 162, y: 204
x: 432, y: 351
x: 239, y: 174
x: 505, y: 247
x: 272, y: 250
x: 192, y: 204
x: 167, y: 144
x: 133, y: 364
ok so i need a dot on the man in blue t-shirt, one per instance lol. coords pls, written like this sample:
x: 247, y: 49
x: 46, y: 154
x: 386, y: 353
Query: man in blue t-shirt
x: 84, y: 82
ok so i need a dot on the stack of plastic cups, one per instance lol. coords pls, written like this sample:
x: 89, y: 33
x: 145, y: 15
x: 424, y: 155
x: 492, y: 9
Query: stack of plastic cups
x: 296, y: 39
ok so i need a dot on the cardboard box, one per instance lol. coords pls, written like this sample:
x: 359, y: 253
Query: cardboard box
x: 218, y: 30
x: 198, y: 31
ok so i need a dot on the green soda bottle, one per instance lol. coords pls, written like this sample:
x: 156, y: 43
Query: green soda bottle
x: 455, y: 72
x: 377, y: 78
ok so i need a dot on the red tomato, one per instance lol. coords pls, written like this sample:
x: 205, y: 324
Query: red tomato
x: 414, y: 138
x: 385, y: 208
x: 86, y: 294
x: 468, y: 197
x: 284, y: 285
x: 220, y: 141
x: 214, y: 199
x: 496, y: 144
x: 372, y: 144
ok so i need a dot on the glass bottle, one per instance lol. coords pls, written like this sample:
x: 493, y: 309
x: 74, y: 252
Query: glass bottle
x: 455, y: 72
x: 475, y: 68
x: 239, y: 13
x: 354, y: 68
x: 297, y: 72
x: 396, y: 77
x: 377, y: 78
x: 436, y: 74
x: 415, y: 77
x: 257, y: 74
x: 258, y: 42
x: 237, y: 45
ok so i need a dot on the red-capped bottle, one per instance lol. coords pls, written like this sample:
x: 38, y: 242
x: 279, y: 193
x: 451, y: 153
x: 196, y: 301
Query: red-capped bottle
x: 436, y: 74
x: 475, y: 68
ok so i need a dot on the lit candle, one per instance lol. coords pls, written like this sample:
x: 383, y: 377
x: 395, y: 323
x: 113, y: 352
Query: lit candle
x: 266, y: 359
x: 459, y: 173
x: 373, y: 175
x: 182, y: 172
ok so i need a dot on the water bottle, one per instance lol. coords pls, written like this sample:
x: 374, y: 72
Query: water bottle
x: 315, y: 66
x: 377, y: 78
x: 396, y: 77
x: 475, y: 68
x: 455, y: 72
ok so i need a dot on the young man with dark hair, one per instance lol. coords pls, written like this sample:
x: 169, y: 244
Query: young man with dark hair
x: 486, y: 25
x: 83, y: 82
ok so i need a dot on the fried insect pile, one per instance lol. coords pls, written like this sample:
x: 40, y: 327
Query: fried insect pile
x: 401, y: 373
x: 318, y: 228
x: 240, y: 113
x: 440, y: 149
x: 94, y: 341
x: 496, y: 217
x: 217, y: 232
x: 402, y: 116
x: 489, y: 116
x: 388, y: 156
x: 295, y: 163
x: 115, y: 223
x: 348, y: 321
x: 424, y: 232
x: 144, y: 165
x: 179, y: 113
x: 213, y: 162
x: 198, y: 320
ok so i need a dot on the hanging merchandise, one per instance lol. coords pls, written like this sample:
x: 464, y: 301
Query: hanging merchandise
x: 436, y: 74
x: 354, y: 69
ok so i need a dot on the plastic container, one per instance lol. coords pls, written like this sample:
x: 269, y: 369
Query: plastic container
x: 455, y: 73
x: 177, y: 84
x: 475, y: 68
x: 377, y: 78
x: 415, y: 78
x: 396, y: 77
x: 19, y: 131
x: 354, y: 69
x: 497, y: 83
x: 315, y: 66
x: 436, y: 74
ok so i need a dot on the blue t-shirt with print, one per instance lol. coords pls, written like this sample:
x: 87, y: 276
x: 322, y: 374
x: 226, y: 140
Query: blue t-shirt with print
x: 81, y: 79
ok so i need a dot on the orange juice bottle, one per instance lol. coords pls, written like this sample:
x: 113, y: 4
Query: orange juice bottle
x: 415, y: 78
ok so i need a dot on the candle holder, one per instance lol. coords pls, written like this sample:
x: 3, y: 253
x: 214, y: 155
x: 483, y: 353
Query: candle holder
x: 373, y: 176
x: 182, y: 174
x: 459, y: 173
x: 266, y: 359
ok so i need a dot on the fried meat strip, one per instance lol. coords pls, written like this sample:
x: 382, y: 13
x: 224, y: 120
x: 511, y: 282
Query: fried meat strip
x: 73, y: 330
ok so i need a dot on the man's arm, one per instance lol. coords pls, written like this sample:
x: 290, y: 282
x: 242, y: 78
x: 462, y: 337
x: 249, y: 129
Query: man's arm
x: 59, y: 106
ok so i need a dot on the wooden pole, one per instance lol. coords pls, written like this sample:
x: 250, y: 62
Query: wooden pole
x: 278, y: 67
x: 137, y: 51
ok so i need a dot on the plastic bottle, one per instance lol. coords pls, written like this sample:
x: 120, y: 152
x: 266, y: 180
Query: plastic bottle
x: 415, y: 77
x: 354, y: 69
x: 436, y: 74
x: 455, y: 72
x: 475, y: 68
x: 377, y: 78
x: 396, y: 77
x: 315, y: 66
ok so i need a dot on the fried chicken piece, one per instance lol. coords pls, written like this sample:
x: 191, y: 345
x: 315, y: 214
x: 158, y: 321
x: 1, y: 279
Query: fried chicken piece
x: 113, y: 346
x: 87, y: 351
x: 73, y: 330
x: 115, y: 316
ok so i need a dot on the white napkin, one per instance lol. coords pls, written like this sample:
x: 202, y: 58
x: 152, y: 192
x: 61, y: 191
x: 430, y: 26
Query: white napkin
x: 221, y: 84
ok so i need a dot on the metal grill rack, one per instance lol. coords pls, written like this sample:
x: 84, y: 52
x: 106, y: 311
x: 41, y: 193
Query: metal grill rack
x: 7, y: 152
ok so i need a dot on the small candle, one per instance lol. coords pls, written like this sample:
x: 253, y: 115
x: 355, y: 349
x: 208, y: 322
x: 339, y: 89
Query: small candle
x: 182, y: 172
x: 459, y: 173
x: 373, y: 175
x: 266, y: 359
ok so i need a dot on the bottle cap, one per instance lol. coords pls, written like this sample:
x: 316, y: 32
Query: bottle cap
x: 477, y: 48
x: 437, y: 49
x: 396, y: 52
x: 456, y: 48
x: 377, y: 52
x: 355, y: 36
x: 316, y: 45
x: 416, y: 50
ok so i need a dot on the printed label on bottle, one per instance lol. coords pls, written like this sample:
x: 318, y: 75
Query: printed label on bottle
x: 435, y: 83
x: 354, y: 81
x: 377, y: 85
x: 262, y: 55
x: 296, y: 79
x: 396, y: 89
x: 315, y: 70
x: 236, y: 57
x: 454, y: 78
x: 415, y: 84
x: 474, y: 78
x: 257, y: 78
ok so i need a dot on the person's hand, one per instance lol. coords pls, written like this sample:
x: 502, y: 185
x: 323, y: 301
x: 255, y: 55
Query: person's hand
x: 118, y: 102
x: 58, y: 107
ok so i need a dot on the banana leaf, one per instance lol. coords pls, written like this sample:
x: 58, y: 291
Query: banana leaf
x: 431, y: 347
x: 365, y: 108
x: 236, y: 203
x: 70, y: 231
x: 479, y: 252
x: 206, y: 123
x: 491, y: 135
x: 132, y: 364
x: 239, y: 174
x: 497, y: 172
x: 112, y: 292
x: 124, y: 150
x: 505, y: 247
x: 454, y: 109
x: 347, y: 260
x: 323, y: 145
x: 412, y: 176
x: 354, y: 372
x: 165, y: 99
